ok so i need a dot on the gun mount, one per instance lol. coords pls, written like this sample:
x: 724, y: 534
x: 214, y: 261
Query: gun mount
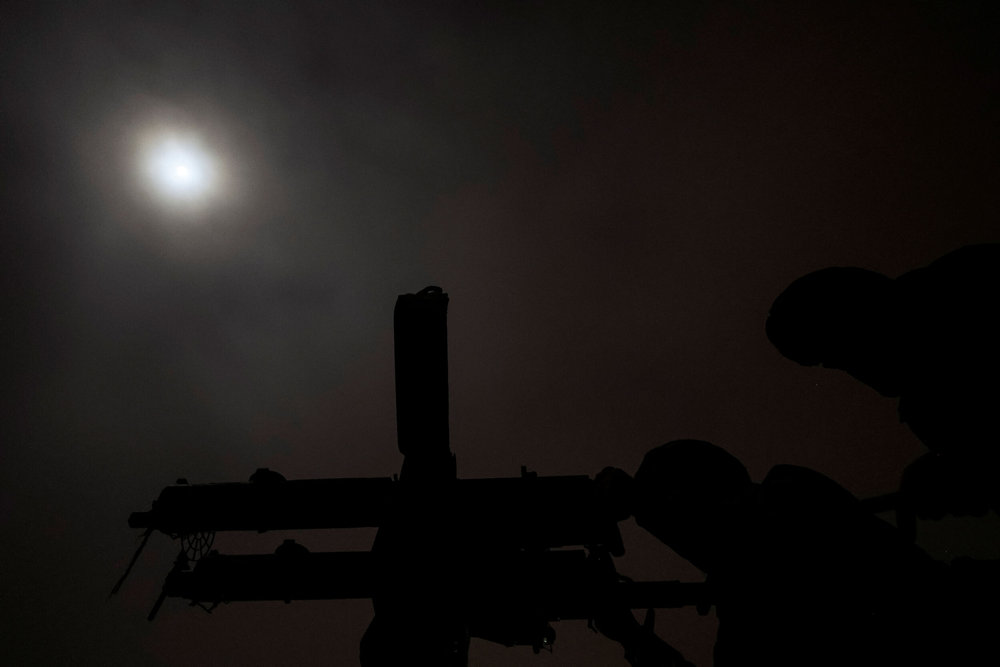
x: 497, y: 559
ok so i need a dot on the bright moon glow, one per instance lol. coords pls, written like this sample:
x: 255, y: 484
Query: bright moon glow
x: 180, y: 169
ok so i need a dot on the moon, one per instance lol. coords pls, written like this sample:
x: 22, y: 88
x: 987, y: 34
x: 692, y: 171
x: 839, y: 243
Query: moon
x: 179, y: 168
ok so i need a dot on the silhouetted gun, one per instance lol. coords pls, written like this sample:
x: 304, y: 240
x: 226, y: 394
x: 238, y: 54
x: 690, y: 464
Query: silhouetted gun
x: 497, y: 559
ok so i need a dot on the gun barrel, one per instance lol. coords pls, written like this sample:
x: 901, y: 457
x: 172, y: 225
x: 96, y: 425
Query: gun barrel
x: 297, y: 576
x: 299, y: 504
x: 527, y: 511
x: 560, y: 584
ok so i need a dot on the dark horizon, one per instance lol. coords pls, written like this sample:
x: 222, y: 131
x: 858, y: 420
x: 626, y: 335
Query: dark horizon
x: 612, y: 198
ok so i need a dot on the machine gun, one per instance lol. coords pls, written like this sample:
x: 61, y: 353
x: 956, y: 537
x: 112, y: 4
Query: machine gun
x: 497, y: 559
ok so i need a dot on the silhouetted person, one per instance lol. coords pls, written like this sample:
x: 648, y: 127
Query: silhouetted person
x: 929, y: 337
x: 801, y: 573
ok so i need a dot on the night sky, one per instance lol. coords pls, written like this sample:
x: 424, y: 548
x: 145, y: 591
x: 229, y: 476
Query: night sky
x: 612, y: 199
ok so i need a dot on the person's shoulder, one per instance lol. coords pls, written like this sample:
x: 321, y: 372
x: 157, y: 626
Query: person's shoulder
x: 948, y: 300
x: 789, y: 476
x: 977, y: 262
x: 801, y: 489
x: 825, y: 512
x: 975, y: 252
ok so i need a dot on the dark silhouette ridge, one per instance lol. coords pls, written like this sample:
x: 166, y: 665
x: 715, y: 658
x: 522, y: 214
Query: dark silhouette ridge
x: 929, y: 337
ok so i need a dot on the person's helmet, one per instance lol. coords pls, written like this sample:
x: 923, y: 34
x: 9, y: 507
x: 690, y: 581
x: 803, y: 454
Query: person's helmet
x: 826, y: 316
x: 693, y: 496
x: 689, y: 468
